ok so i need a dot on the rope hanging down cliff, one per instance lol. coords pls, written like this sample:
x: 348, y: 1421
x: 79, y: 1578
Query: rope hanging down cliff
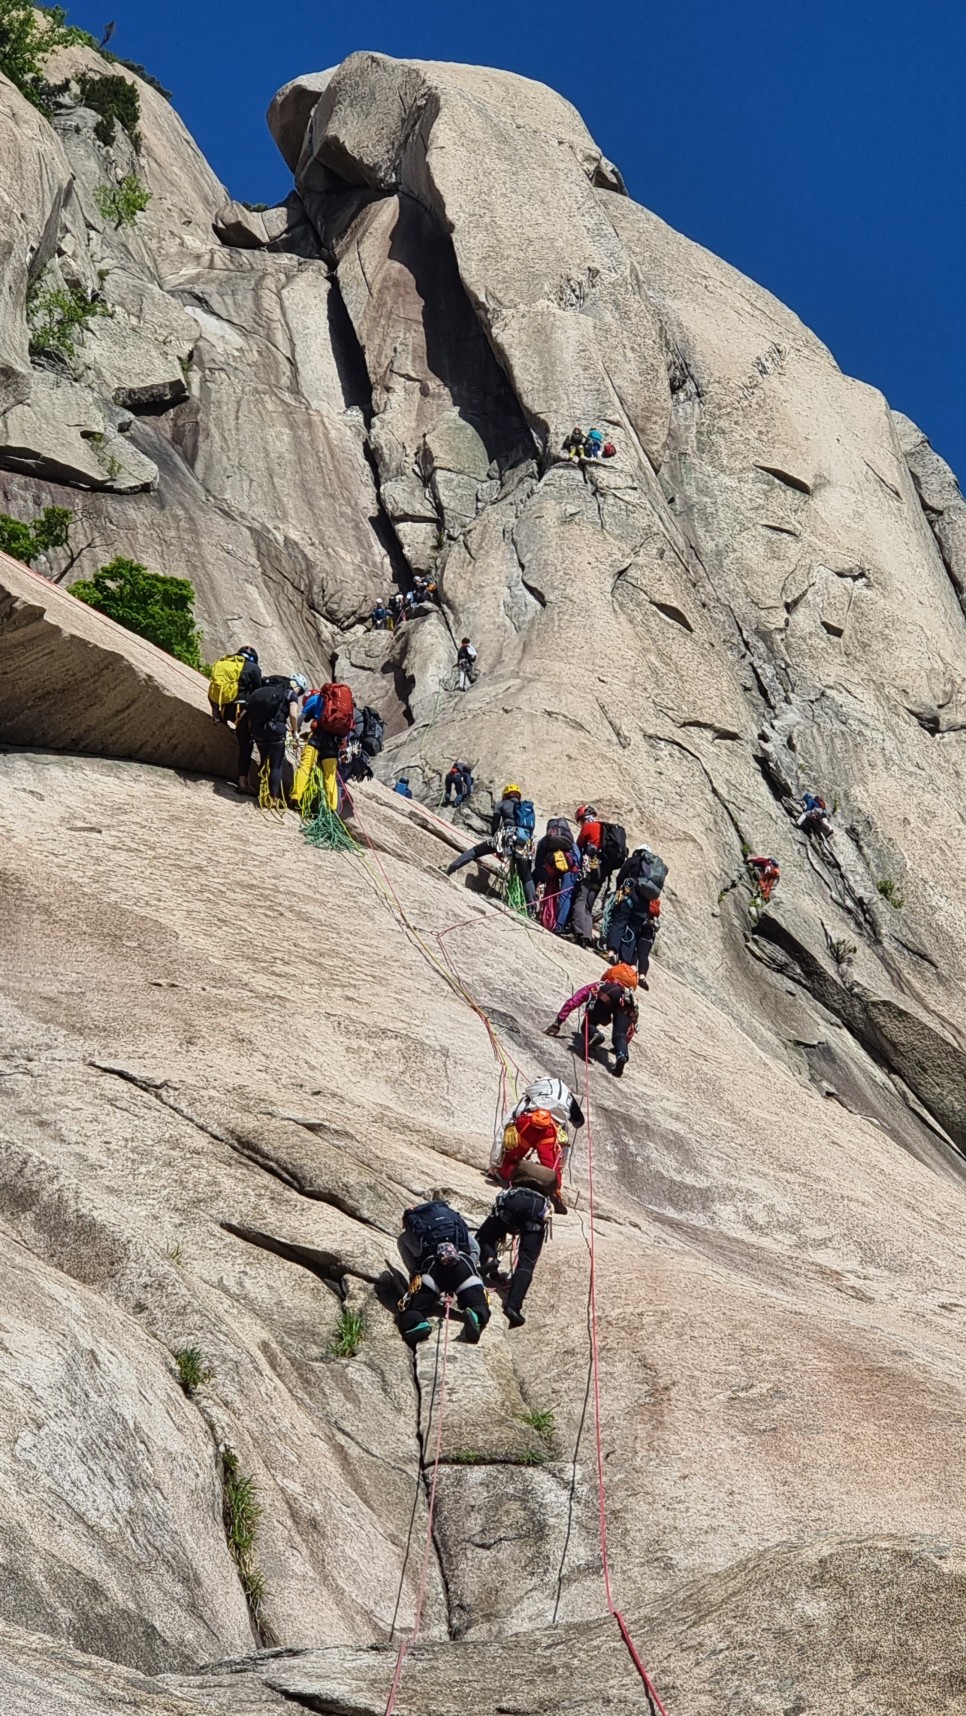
x: 456, y: 982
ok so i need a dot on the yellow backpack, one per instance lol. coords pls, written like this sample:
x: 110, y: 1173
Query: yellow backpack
x: 224, y: 682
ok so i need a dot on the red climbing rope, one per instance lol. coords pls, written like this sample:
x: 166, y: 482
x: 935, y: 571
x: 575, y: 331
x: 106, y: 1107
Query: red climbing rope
x: 428, y: 1546
x: 633, y: 1652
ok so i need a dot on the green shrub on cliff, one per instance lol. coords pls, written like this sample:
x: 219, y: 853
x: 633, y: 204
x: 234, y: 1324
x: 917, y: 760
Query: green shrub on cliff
x: 155, y: 607
x: 27, y: 35
x: 124, y: 202
x: 27, y: 542
x: 116, y: 101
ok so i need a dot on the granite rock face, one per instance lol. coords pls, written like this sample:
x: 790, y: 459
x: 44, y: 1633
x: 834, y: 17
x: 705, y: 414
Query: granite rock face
x: 230, y: 1060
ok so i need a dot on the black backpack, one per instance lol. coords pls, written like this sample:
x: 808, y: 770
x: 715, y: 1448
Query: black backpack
x: 436, y: 1224
x: 613, y: 848
x: 373, y: 730
x: 268, y: 706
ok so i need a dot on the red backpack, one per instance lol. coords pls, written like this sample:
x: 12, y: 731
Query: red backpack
x: 336, y: 710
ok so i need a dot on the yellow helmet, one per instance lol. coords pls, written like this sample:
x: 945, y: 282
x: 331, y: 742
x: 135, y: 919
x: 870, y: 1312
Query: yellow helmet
x: 511, y: 788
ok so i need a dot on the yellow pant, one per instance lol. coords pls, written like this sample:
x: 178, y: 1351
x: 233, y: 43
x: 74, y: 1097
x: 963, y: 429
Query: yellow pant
x: 308, y: 763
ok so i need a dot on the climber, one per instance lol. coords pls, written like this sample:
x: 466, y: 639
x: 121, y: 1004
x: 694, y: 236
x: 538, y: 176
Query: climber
x: 380, y: 615
x: 360, y: 747
x: 233, y: 679
x: 593, y: 444
x: 815, y: 817
x: 523, y: 1211
x: 634, y: 920
x: 534, y: 1133
x: 574, y: 444
x: 767, y: 874
x: 397, y: 610
x: 330, y: 713
x: 403, y: 787
x: 273, y: 711
x: 458, y: 784
x: 608, y: 1002
x: 442, y: 1258
x: 556, y: 870
x: 511, y: 836
x: 589, y: 840
x: 466, y: 665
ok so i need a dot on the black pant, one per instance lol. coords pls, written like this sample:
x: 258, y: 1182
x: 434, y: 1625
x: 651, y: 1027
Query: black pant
x: 271, y: 750
x: 459, y: 790
x: 459, y: 1279
x: 245, y: 743
x: 631, y: 925
x: 531, y: 1236
x: 600, y: 1016
x: 519, y: 866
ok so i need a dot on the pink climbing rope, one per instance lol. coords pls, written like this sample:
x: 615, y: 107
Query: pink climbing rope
x: 612, y: 1608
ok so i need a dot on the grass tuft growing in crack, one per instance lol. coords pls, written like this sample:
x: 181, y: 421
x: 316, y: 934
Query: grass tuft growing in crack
x: 543, y: 1422
x: 242, y: 1511
x: 350, y: 1329
x: 192, y: 1371
x: 892, y: 892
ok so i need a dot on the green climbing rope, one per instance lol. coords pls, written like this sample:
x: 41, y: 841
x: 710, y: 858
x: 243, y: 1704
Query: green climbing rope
x: 327, y: 830
x: 515, y: 898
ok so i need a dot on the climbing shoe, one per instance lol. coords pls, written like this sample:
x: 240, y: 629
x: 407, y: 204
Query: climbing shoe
x: 515, y: 1318
x: 472, y: 1326
x: 421, y: 1332
x: 619, y: 1065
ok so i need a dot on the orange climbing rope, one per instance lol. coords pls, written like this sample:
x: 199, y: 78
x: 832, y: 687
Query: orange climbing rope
x: 428, y: 1546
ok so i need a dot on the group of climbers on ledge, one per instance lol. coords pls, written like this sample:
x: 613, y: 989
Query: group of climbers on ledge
x: 389, y: 615
x: 564, y: 881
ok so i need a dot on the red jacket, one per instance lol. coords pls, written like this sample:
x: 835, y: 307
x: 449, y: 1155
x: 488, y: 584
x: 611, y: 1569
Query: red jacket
x: 591, y: 834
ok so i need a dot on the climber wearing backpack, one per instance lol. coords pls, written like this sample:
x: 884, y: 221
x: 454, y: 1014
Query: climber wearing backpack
x: 511, y: 836
x: 633, y: 921
x: 233, y: 679
x: 524, y: 1212
x: 403, y: 787
x: 593, y: 444
x: 465, y: 664
x: 556, y: 871
x: 536, y: 1139
x: 442, y: 1258
x: 330, y: 713
x: 815, y: 817
x: 603, y: 848
x: 574, y: 444
x: 458, y: 784
x: 766, y: 873
x: 611, y: 1002
x: 272, y: 712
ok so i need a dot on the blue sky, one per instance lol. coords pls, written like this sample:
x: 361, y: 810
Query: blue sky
x: 818, y: 147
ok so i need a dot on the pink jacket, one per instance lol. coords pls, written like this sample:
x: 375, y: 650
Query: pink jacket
x: 576, y: 1000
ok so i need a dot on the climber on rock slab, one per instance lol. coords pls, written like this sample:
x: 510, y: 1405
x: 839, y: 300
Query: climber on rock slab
x: 636, y: 911
x: 766, y: 873
x: 815, y: 817
x: 443, y: 1260
x: 465, y: 664
x: 511, y: 836
x: 536, y: 1140
x: 523, y: 1211
x: 610, y: 1001
x: 458, y: 785
x: 273, y: 713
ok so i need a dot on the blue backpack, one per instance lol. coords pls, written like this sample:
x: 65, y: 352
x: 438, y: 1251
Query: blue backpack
x: 525, y: 817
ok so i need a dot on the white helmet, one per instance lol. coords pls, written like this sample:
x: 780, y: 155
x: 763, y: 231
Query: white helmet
x: 299, y: 681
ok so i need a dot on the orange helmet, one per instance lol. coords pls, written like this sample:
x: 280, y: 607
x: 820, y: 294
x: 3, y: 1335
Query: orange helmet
x: 535, y: 1125
x: 625, y: 975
